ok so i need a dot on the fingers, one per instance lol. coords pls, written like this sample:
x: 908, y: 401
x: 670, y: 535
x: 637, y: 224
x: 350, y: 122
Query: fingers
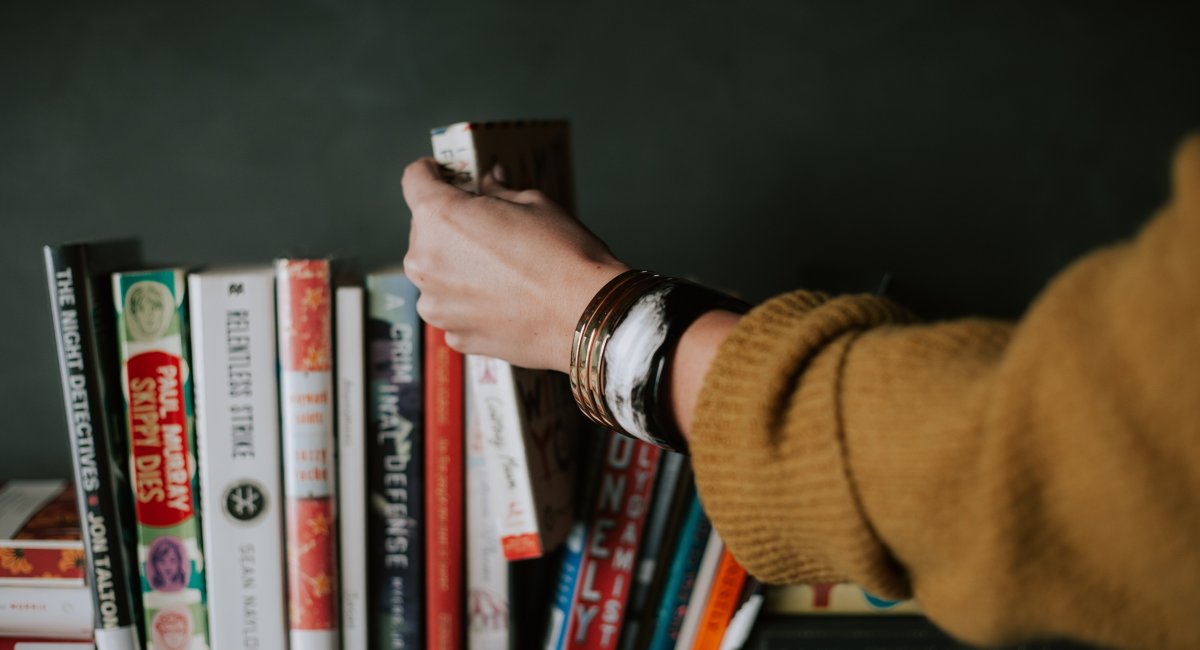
x: 493, y: 184
x: 423, y: 184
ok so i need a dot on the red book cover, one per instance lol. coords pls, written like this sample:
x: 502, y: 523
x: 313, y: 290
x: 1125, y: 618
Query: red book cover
x: 443, y: 492
x: 611, y: 549
x: 306, y: 397
x: 722, y: 601
x: 40, y: 538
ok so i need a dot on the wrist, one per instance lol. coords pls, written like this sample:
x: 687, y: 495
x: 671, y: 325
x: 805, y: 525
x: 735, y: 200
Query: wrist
x: 623, y: 348
x: 582, y: 286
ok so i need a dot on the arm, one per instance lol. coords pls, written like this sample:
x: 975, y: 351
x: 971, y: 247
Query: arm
x: 1021, y: 480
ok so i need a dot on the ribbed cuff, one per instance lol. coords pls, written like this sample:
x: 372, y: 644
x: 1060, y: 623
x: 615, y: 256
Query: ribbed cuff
x: 768, y: 449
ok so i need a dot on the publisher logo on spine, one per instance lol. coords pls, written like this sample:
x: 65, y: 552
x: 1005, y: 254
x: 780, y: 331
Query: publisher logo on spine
x: 245, y: 502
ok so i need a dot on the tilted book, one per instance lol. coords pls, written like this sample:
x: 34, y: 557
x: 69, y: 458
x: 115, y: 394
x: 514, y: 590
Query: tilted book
x: 444, y: 459
x: 613, y: 539
x: 152, y: 329
x: 40, y: 537
x: 349, y: 311
x: 305, y: 316
x: 396, y: 463
x: 84, y: 325
x: 530, y: 420
x: 237, y: 434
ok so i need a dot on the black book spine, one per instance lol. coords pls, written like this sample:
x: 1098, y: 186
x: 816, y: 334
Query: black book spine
x: 395, y: 465
x: 83, y: 323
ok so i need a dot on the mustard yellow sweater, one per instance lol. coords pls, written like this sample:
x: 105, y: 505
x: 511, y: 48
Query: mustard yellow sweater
x: 1020, y: 480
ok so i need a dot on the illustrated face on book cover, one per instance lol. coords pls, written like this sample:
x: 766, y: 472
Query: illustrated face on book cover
x: 149, y: 311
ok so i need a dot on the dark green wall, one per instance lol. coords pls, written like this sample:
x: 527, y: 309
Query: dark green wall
x: 971, y: 149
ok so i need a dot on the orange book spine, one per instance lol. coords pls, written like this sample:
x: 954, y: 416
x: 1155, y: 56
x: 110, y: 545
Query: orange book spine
x: 722, y: 601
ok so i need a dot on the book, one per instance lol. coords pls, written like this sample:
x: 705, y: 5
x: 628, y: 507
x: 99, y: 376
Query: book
x: 685, y: 562
x: 234, y: 365
x: 305, y: 320
x: 84, y: 325
x: 566, y: 586
x: 832, y: 598
x: 701, y: 588
x: 531, y: 425
x: 36, y: 643
x: 487, y: 571
x: 530, y: 419
x: 350, y: 369
x: 40, y: 538
x: 152, y: 332
x: 444, y: 460
x: 613, y: 539
x: 722, y: 601
x: 53, y: 612
x: 670, y: 499
x: 395, y: 470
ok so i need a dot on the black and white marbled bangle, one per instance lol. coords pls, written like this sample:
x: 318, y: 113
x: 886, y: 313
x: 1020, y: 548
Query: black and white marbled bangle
x: 624, y: 345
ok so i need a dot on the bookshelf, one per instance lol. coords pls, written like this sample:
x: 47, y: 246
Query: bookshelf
x: 239, y: 133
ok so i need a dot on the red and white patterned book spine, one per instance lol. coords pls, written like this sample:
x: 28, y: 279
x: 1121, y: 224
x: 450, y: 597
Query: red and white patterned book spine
x: 611, y: 548
x: 306, y: 400
x: 444, y: 457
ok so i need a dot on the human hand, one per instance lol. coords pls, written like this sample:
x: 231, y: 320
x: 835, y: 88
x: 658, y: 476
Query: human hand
x: 506, y: 274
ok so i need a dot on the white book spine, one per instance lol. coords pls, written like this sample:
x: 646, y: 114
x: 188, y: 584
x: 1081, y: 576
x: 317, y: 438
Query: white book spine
x: 494, y: 395
x: 237, y: 431
x: 58, y: 612
x: 700, y: 589
x: 352, y: 471
x: 487, y: 571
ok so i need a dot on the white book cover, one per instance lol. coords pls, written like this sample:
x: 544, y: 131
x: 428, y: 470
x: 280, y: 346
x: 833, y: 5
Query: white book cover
x: 700, y: 590
x: 529, y: 426
x: 237, y: 436
x: 487, y: 571
x: 352, y: 470
x: 530, y: 420
x: 56, y: 612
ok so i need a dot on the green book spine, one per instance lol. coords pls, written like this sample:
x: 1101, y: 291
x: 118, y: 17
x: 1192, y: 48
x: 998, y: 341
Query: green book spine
x: 159, y: 421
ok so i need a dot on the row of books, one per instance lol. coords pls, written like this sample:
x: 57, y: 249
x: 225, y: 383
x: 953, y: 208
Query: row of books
x: 285, y: 455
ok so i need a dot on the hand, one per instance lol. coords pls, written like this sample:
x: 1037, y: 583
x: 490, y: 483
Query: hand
x: 507, y: 274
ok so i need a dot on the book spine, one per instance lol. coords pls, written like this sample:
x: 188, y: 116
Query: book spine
x: 693, y: 538
x: 488, y: 610
x: 495, y: 397
x: 352, y: 484
x: 395, y: 471
x: 701, y: 588
x: 237, y: 436
x: 306, y: 398
x: 444, y: 491
x: 64, y: 612
x: 613, y: 540
x: 670, y: 478
x: 722, y: 601
x: 152, y: 329
x: 82, y: 351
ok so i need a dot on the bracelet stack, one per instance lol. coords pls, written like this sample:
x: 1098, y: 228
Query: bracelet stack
x: 622, y: 348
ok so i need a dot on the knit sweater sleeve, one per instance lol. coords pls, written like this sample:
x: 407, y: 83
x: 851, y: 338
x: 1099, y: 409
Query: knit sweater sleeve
x: 1020, y: 480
